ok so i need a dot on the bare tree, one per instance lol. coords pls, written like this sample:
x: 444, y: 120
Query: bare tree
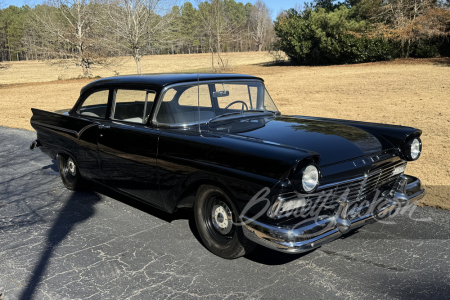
x: 68, y: 26
x: 132, y: 22
x: 213, y: 24
x: 261, y: 23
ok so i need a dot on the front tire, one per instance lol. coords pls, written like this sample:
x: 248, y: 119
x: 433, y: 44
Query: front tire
x: 70, y: 175
x: 215, y: 218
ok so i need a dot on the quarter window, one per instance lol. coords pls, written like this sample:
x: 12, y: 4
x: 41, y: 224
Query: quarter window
x: 95, y: 105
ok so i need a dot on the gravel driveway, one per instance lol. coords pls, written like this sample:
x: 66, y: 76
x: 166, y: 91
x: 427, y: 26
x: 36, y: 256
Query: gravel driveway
x: 58, y: 244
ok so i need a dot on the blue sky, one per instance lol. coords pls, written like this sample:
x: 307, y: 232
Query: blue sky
x: 275, y: 5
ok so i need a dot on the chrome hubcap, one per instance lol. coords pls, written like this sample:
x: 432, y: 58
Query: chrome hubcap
x: 71, y: 167
x: 222, y: 218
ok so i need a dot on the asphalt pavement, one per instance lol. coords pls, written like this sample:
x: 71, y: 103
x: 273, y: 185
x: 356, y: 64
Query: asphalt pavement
x: 58, y: 244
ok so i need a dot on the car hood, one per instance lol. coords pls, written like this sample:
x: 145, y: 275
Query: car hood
x: 334, y: 142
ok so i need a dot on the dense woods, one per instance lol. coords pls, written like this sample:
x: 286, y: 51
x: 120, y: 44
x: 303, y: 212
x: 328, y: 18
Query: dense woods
x: 354, y: 31
x: 88, y: 32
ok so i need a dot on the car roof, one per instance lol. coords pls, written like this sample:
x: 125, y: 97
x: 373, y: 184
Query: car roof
x: 161, y: 80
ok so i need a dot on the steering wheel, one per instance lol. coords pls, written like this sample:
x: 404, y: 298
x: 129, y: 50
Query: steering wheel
x: 238, y: 101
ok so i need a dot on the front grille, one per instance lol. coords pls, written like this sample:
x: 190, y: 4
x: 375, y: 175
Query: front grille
x: 359, y: 189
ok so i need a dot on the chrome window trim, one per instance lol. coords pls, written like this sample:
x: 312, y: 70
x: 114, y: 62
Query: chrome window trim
x: 164, y: 90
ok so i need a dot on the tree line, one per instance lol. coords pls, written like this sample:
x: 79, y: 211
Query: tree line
x: 89, y: 32
x: 355, y: 31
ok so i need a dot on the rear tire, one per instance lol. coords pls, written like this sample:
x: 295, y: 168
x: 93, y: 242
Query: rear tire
x: 215, y: 216
x: 70, y: 175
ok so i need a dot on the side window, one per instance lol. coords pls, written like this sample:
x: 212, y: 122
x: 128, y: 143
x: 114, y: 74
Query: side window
x: 180, y: 105
x: 95, y: 105
x: 132, y: 105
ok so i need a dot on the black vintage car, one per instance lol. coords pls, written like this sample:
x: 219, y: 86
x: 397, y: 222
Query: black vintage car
x: 217, y: 144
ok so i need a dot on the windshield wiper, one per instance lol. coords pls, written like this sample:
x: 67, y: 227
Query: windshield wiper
x: 238, y: 113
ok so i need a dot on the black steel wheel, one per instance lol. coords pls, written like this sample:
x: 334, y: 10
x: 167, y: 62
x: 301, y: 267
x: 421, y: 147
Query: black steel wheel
x: 216, y: 217
x: 70, y: 175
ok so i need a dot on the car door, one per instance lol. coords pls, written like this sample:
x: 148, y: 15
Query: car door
x: 91, y: 113
x: 127, y: 147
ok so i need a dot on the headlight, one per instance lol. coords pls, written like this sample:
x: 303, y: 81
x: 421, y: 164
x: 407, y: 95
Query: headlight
x: 416, y: 148
x: 310, y: 178
x: 306, y: 179
x: 413, y: 148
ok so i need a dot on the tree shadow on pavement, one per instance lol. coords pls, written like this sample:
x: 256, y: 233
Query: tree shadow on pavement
x: 78, y: 208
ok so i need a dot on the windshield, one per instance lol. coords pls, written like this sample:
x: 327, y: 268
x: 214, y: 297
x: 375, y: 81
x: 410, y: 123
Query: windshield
x: 205, y: 102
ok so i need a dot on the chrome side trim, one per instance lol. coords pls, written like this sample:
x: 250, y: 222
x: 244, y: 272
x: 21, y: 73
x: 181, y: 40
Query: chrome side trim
x: 86, y: 128
x: 55, y: 127
x: 77, y: 134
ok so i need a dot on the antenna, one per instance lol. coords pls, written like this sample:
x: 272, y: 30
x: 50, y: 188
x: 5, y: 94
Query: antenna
x: 198, y: 101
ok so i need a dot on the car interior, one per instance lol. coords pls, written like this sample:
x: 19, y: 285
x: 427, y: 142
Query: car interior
x: 128, y: 105
x: 172, y: 110
x: 132, y: 105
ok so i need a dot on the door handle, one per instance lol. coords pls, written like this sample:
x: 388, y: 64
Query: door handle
x: 103, y: 126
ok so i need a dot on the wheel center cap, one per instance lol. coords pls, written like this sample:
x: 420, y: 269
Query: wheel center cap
x: 71, y: 167
x: 220, y: 217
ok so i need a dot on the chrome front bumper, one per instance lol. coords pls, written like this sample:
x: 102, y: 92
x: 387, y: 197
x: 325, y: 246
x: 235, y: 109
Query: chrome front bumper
x: 295, y: 239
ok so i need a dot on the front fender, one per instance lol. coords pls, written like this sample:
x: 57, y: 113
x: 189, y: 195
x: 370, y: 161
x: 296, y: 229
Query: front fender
x: 244, y: 167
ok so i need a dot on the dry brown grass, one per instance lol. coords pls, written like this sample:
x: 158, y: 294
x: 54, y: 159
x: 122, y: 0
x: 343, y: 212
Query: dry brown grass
x: 40, y: 71
x: 411, y: 93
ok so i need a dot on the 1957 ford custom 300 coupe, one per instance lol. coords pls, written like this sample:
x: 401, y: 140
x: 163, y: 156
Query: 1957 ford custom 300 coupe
x: 217, y: 143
